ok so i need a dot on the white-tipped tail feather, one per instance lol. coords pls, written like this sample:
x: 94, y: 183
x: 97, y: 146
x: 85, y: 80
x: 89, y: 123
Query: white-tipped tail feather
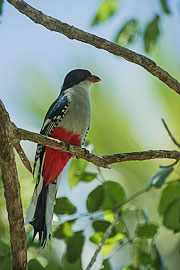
x: 40, y: 211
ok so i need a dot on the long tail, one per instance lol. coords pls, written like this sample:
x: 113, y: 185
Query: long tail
x: 40, y: 211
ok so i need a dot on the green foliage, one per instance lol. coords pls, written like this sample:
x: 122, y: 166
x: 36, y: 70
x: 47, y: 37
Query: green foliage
x: 74, y: 246
x: 64, y: 207
x: 106, y: 196
x: 34, y: 264
x: 145, y: 255
x: 169, y: 206
x: 105, y: 11
x: 165, y: 6
x: 95, y: 199
x: 106, y: 265
x: 159, y: 178
x: 128, y: 33
x: 146, y: 230
x: 1, y: 4
x: 5, y: 263
x: 64, y: 230
x: 66, y: 265
x: 77, y: 172
x: 100, y: 227
x: 52, y: 266
x: 151, y: 34
x: 114, y: 195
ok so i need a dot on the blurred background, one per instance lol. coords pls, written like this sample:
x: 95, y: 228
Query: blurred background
x: 127, y: 106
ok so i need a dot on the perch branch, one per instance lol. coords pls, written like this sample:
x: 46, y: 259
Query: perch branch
x: 102, y: 161
x: 74, y: 33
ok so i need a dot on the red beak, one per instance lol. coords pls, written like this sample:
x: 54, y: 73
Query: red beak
x: 93, y: 79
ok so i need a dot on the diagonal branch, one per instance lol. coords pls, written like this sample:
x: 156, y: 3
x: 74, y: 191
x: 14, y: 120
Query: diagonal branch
x: 105, y: 237
x: 74, y: 33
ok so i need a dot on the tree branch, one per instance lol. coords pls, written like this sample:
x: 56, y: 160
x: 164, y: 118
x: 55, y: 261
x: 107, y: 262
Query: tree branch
x: 102, y: 161
x: 12, y: 193
x: 74, y: 33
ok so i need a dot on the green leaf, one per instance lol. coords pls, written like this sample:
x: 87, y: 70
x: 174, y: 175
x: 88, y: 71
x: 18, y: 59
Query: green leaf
x: 169, y: 195
x: 1, y: 4
x: 105, y: 11
x: 95, y: 199
x: 100, y: 227
x: 78, y: 166
x: 6, y: 263
x: 106, y: 265
x: 4, y: 248
x: 128, y: 33
x: 71, y: 266
x: 34, y: 264
x: 165, y: 6
x: 146, y: 230
x: 64, y: 230
x: 159, y: 178
x: 151, y: 34
x: 87, y: 176
x: 114, y: 194
x: 74, y: 246
x: 52, y: 266
x: 171, y: 217
x: 64, y: 206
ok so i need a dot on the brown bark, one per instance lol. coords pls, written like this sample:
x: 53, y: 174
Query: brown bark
x: 12, y: 193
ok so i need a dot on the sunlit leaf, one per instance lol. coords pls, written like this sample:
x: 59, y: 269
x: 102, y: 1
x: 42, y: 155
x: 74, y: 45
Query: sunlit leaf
x: 100, y: 227
x: 114, y: 194
x: 64, y: 230
x: 95, y: 199
x: 128, y: 33
x: 146, y: 230
x: 64, y: 206
x: 105, y: 11
x: 159, y: 178
x: 34, y: 264
x: 77, y: 168
x: 107, y: 248
x: 86, y: 176
x: 151, y: 34
x: 165, y: 6
x: 74, y: 246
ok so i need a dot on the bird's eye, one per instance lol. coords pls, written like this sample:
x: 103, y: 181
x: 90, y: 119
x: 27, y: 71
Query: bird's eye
x: 80, y: 75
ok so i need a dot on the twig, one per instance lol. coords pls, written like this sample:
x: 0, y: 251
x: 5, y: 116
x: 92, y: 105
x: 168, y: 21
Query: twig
x: 170, y: 134
x: 105, y: 236
x: 23, y: 157
x: 74, y: 33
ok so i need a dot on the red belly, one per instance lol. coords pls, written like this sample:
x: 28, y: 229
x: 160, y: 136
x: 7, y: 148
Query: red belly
x: 55, y: 160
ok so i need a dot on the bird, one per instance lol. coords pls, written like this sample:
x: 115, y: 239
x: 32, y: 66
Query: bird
x: 67, y: 119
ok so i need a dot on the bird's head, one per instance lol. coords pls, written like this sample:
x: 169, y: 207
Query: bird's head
x: 79, y: 76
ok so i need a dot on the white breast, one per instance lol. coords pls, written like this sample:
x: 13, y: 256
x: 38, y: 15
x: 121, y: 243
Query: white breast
x: 77, y: 119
